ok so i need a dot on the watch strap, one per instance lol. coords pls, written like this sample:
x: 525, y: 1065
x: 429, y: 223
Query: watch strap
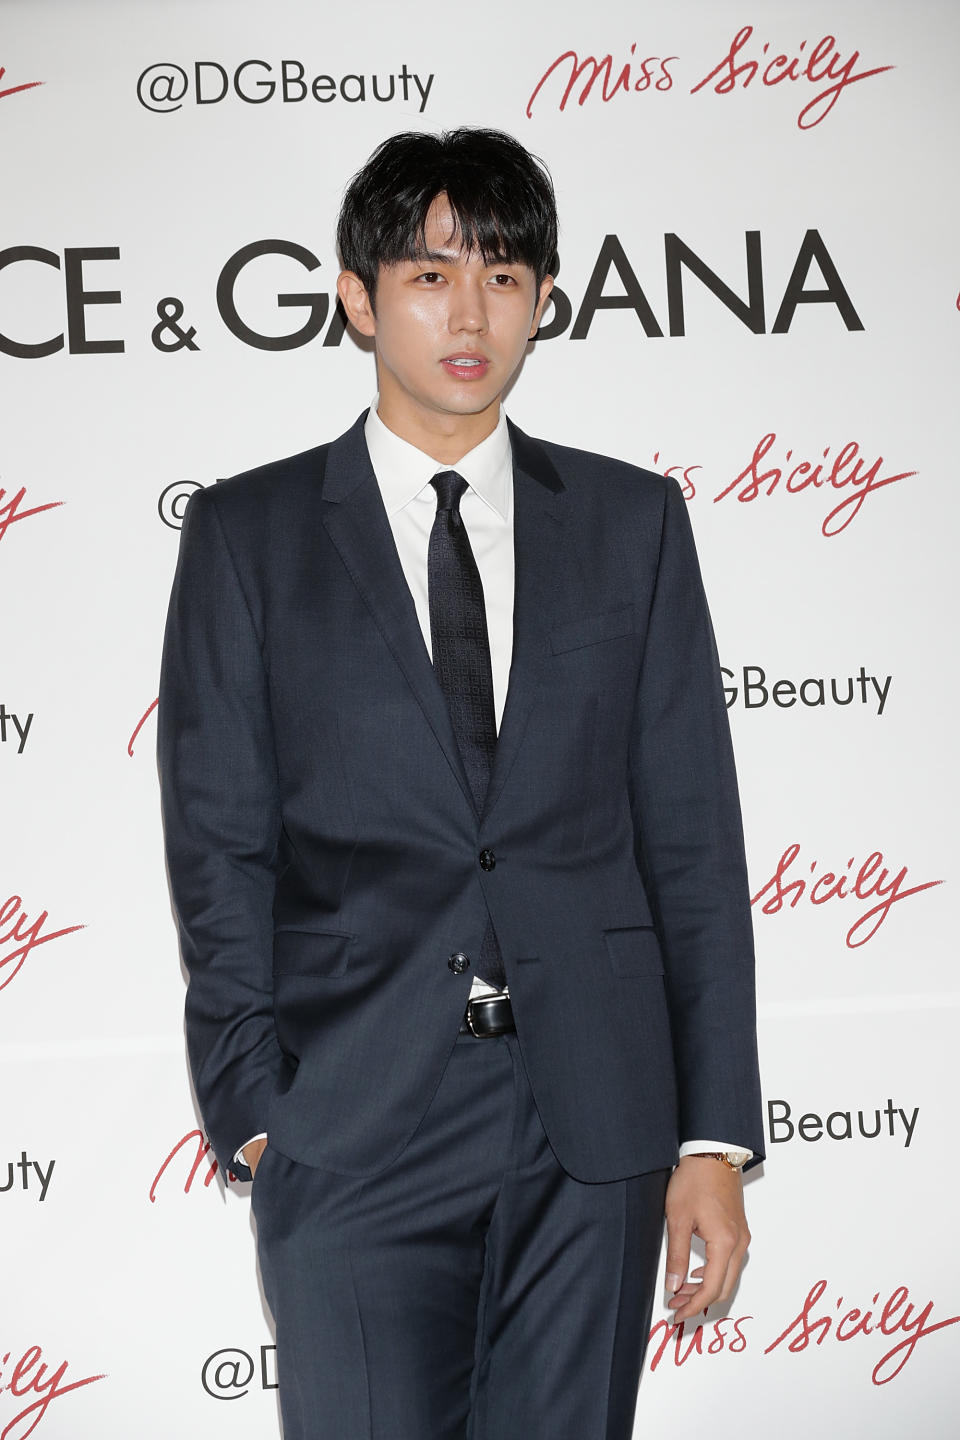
x: 733, y: 1159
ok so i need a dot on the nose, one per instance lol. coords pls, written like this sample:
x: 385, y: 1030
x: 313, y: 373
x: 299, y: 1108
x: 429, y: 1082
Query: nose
x: 468, y: 308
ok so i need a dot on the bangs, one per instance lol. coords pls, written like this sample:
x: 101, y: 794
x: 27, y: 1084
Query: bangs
x: 476, y: 227
x: 500, y: 196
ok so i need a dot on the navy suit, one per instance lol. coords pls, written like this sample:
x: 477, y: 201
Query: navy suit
x: 323, y: 846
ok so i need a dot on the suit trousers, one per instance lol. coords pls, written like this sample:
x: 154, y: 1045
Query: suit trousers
x: 471, y: 1289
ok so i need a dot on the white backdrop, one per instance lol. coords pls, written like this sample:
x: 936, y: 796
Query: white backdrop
x: 130, y: 1302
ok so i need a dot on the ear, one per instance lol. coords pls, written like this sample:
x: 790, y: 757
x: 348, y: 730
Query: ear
x: 546, y: 285
x: 356, y: 302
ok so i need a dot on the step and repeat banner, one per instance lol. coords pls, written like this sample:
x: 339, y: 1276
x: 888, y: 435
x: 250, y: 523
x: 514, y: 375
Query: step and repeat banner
x: 758, y: 294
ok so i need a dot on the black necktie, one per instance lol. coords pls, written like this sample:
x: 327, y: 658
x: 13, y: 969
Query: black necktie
x: 461, y: 659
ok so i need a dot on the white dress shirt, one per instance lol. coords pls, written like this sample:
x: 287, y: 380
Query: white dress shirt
x: 403, y: 474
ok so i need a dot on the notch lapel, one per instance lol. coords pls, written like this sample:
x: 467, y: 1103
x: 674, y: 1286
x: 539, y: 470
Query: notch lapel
x: 539, y: 515
x: 356, y: 521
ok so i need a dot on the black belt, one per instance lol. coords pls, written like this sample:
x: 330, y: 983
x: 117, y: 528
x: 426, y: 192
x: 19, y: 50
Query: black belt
x: 490, y: 1015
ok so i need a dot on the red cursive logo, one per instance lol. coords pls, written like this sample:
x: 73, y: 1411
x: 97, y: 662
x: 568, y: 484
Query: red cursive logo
x: 200, y: 1154
x: 897, y: 1315
x: 635, y: 75
x: 23, y: 935
x: 734, y: 1341
x: 10, y: 512
x: 140, y: 724
x: 824, y: 63
x: 16, y: 89
x: 835, y: 474
x: 29, y: 1376
x: 823, y: 67
x: 872, y: 879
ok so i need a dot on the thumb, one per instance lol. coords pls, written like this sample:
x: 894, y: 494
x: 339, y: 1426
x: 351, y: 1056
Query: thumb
x: 678, y: 1254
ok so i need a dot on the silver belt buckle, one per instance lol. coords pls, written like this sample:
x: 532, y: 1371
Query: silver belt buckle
x: 486, y: 1000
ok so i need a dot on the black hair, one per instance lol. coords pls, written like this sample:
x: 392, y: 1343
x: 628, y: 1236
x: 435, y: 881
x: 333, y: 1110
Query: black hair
x: 501, y: 198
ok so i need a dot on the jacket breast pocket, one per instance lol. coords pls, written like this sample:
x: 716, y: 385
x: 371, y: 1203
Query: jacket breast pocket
x: 634, y: 952
x: 591, y: 630
x: 322, y: 954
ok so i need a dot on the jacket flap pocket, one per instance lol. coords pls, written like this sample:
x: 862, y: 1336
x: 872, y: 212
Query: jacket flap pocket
x: 324, y: 953
x: 591, y: 629
x: 634, y: 951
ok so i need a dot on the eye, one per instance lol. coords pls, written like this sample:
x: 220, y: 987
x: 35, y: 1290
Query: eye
x: 429, y: 277
x: 503, y: 279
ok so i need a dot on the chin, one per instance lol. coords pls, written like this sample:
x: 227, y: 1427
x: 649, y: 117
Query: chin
x: 468, y: 401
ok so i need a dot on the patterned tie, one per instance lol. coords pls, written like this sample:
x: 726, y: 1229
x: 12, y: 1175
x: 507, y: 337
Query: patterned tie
x: 461, y: 659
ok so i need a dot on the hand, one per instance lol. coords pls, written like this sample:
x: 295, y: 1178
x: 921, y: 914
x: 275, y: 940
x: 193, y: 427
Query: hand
x: 253, y: 1150
x: 705, y: 1198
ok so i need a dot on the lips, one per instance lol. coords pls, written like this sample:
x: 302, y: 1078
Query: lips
x: 466, y: 366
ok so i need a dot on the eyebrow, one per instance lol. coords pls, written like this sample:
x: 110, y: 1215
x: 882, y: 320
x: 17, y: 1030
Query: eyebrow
x: 446, y: 257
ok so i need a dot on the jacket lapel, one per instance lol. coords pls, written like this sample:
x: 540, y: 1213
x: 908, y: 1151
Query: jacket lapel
x: 356, y: 521
x: 538, y: 532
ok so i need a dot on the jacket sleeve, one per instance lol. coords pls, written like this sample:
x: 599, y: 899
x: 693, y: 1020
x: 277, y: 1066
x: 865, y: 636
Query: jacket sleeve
x: 219, y: 795
x: 689, y: 846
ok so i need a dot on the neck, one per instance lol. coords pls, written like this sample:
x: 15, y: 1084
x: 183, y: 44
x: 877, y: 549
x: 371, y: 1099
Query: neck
x: 444, y: 437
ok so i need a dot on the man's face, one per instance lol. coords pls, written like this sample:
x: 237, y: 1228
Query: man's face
x: 450, y: 330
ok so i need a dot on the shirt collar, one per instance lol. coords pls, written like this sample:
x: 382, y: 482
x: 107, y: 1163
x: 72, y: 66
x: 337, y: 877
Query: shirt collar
x: 403, y: 471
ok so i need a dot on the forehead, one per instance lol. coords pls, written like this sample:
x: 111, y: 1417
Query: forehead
x: 440, y: 229
x: 442, y: 238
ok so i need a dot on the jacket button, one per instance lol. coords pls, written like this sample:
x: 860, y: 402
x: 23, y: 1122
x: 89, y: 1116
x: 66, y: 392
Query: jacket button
x: 487, y: 860
x: 459, y: 962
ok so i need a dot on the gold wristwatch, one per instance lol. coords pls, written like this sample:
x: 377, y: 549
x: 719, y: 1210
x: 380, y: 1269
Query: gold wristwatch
x: 733, y: 1159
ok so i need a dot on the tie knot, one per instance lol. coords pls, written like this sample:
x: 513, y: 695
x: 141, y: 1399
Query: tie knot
x: 449, y: 487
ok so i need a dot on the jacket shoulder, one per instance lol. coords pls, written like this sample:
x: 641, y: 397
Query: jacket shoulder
x: 592, y: 477
x: 272, y: 488
x: 595, y: 466
x: 272, y: 482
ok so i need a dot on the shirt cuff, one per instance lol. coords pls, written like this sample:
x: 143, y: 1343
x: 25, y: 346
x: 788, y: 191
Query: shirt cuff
x: 240, y: 1158
x: 710, y: 1147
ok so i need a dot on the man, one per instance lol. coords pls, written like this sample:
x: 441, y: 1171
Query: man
x: 455, y: 849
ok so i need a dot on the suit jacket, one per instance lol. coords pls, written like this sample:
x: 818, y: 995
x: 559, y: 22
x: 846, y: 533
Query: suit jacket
x: 323, y: 845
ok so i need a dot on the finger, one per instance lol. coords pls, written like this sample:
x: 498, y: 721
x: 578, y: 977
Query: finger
x: 679, y: 1234
x: 734, y: 1267
x: 685, y: 1294
x: 718, y: 1257
x: 724, y: 1276
x: 690, y: 1288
